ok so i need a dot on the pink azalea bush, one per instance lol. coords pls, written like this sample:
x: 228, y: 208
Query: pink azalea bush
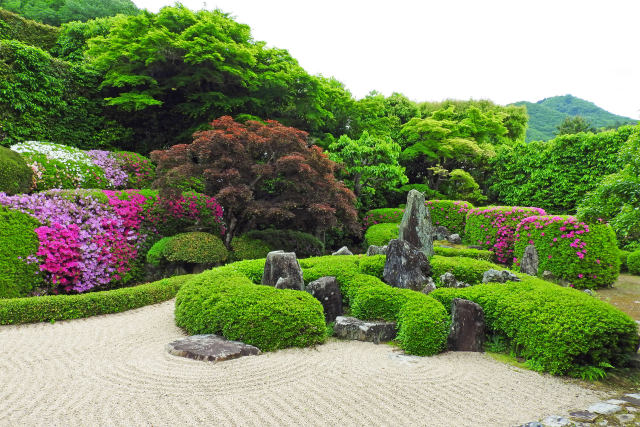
x: 584, y: 255
x: 494, y: 227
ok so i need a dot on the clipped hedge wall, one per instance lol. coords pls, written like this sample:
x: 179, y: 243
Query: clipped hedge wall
x: 464, y: 252
x: 559, y: 330
x: 382, y: 216
x: 195, y: 247
x: 15, y: 175
x: 65, y: 307
x: 494, y: 228
x: 381, y: 234
x: 303, y: 244
x: 633, y: 263
x: 225, y: 302
x: 466, y: 270
x: 245, y: 247
x: 585, y: 255
x: 18, y: 241
x: 449, y: 213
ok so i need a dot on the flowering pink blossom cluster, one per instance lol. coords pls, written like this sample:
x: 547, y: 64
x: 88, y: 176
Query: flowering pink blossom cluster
x: 113, y: 172
x: 372, y: 218
x: 504, y: 222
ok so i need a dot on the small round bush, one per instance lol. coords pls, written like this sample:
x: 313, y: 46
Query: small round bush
x: 195, y: 247
x: 449, y: 213
x: 245, y: 247
x: 633, y: 263
x: 382, y: 216
x: 155, y: 255
x: 15, y: 175
x: 381, y: 234
x: 18, y: 241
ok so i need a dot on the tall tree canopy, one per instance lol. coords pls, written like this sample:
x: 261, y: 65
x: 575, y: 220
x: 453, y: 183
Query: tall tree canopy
x: 574, y: 124
x: 56, y: 12
x: 262, y: 175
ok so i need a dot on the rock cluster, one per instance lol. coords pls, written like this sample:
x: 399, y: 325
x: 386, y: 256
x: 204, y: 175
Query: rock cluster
x: 283, y: 271
x: 499, y: 276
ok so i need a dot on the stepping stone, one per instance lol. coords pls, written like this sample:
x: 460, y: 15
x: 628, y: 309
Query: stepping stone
x: 625, y: 418
x: 616, y: 402
x: 633, y: 395
x: 630, y: 400
x: 584, y: 416
x: 210, y: 347
x: 351, y: 328
x: 532, y: 424
x: 604, y: 408
x: 556, y: 421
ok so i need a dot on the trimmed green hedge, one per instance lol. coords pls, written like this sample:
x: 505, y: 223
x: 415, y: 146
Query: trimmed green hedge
x: 303, y: 244
x: 380, y: 234
x: 18, y: 240
x: 245, y: 247
x: 623, y: 260
x: 155, y: 255
x: 585, y: 255
x: 195, y: 247
x: 633, y: 262
x: 15, y: 175
x: 382, y: 216
x: 464, y: 252
x: 465, y: 269
x: 559, y: 330
x: 449, y: 213
x: 64, y: 307
x: 225, y: 302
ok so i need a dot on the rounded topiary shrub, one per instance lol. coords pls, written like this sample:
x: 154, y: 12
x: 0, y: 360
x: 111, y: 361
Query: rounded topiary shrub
x: 382, y: 216
x: 494, y: 228
x: 380, y: 234
x: 155, y: 255
x: 303, y: 244
x: 245, y: 247
x: 585, y: 255
x: 15, y: 175
x: 18, y: 242
x: 633, y: 263
x: 195, y: 247
x: 449, y: 213
x: 623, y: 260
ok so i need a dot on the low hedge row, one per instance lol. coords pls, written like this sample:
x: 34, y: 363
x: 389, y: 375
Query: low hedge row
x: 633, y: 262
x: 303, y: 244
x: 65, y: 307
x: 380, y: 234
x: 559, y: 330
x: 449, y: 213
x: 480, y: 254
x: 467, y: 270
x: 585, y: 255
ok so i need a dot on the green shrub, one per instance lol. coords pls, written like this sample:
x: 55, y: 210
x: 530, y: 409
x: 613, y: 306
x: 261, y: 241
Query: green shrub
x: 449, y: 213
x: 139, y: 169
x: 382, y: 216
x: 494, y: 228
x: 195, y: 247
x: 227, y: 303
x: 155, y: 255
x: 466, y: 270
x: 303, y: 244
x: 15, y: 175
x: 15, y: 27
x: 585, y: 255
x: 64, y: 307
x: 18, y: 241
x: 372, y: 265
x: 381, y: 234
x: 633, y: 262
x: 559, y: 330
x: 623, y: 260
x: 245, y: 247
x: 468, y: 253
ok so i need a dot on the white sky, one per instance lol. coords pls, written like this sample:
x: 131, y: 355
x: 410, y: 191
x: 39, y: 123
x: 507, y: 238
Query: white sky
x: 503, y: 50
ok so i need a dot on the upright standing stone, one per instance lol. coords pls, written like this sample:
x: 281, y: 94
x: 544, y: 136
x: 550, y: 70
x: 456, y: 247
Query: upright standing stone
x: 283, y: 271
x: 405, y: 266
x: 467, y: 326
x: 327, y: 291
x: 343, y: 251
x: 529, y: 262
x: 416, y: 227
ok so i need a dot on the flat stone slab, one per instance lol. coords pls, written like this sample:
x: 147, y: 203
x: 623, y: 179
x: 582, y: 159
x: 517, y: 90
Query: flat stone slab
x: 604, y: 408
x: 556, y: 421
x: 615, y: 402
x: 351, y: 328
x: 630, y: 399
x: 625, y: 418
x: 584, y: 416
x: 211, y: 348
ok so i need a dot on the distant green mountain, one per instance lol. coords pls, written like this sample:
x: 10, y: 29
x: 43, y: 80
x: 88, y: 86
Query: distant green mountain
x: 547, y: 114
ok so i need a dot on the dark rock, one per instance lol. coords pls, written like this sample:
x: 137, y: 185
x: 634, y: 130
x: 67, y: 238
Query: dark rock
x: 416, y: 227
x: 327, y: 291
x: 547, y: 275
x: 454, y: 239
x: 283, y: 271
x: 529, y: 262
x: 467, y: 326
x: 499, y: 276
x: 635, y: 401
x: 405, y: 266
x: 440, y: 232
x: 429, y: 287
x: 351, y: 328
x: 583, y: 416
x: 448, y: 280
x: 210, y: 347
x: 343, y: 251
x: 376, y: 250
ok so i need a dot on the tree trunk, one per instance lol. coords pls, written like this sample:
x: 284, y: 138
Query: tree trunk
x: 231, y: 229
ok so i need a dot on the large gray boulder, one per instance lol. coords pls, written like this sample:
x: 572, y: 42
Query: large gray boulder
x: 499, y: 276
x: 416, y: 227
x: 406, y: 266
x: 448, y: 280
x: 376, y: 250
x: 440, y: 232
x: 467, y: 326
x: 210, y: 347
x: 529, y: 262
x: 343, y: 251
x: 283, y: 271
x: 351, y: 328
x: 327, y: 291
x: 454, y: 239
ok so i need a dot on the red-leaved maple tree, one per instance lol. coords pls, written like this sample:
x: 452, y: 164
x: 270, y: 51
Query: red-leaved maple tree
x: 261, y: 174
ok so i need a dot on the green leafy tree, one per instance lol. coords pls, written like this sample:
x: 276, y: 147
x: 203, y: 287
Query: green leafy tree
x: 56, y: 12
x: 575, y: 124
x: 370, y: 163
